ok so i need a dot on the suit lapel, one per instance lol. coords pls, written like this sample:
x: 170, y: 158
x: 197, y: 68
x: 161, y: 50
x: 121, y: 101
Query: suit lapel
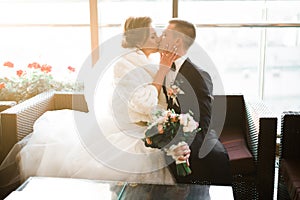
x: 183, y: 71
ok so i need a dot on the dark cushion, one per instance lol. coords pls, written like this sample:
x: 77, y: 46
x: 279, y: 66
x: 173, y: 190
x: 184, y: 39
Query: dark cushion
x: 241, y: 160
x: 295, y: 190
x: 229, y: 134
x: 291, y: 173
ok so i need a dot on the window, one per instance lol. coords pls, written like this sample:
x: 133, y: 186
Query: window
x: 255, y: 45
x: 56, y: 33
x: 260, y: 60
x: 282, y: 74
x: 159, y: 11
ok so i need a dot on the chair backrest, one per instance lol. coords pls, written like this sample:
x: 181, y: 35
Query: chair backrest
x: 229, y: 111
x: 235, y: 115
x: 290, y: 133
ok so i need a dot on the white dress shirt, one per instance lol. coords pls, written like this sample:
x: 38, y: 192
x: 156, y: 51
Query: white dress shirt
x: 170, y: 77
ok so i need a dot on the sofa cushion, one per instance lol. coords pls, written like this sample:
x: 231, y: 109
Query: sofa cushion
x: 295, y: 190
x: 291, y: 173
x: 241, y: 160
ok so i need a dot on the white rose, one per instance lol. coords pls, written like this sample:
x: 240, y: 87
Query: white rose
x: 183, y: 119
x: 191, y: 124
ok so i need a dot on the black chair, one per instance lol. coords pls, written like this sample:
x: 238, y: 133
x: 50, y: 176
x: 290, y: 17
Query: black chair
x: 249, y: 136
x: 289, y: 160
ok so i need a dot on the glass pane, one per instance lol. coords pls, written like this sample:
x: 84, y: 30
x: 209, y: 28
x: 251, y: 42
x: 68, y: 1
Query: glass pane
x: 288, y: 11
x: 283, y: 69
x: 235, y: 52
x: 116, y: 12
x: 106, y: 33
x: 44, y: 12
x: 111, y: 25
x: 32, y: 31
x: 59, y: 47
x: 220, y: 11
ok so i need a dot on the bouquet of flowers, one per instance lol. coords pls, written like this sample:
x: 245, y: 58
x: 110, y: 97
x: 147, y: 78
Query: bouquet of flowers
x: 170, y: 130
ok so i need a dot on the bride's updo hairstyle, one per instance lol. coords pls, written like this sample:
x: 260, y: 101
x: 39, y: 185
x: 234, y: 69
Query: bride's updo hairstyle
x: 136, y: 31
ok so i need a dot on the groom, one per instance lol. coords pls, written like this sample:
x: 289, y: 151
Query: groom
x: 197, y: 87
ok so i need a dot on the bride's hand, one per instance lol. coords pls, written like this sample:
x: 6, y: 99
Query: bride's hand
x: 183, y: 152
x: 168, y: 56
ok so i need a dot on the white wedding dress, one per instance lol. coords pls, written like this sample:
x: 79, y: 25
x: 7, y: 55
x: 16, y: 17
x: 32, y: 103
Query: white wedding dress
x: 65, y: 144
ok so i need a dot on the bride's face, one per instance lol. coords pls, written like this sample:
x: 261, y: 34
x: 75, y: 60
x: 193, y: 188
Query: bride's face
x: 152, y: 42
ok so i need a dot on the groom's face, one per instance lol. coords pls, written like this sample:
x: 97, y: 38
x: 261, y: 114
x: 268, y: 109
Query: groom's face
x: 171, y: 40
x: 167, y: 38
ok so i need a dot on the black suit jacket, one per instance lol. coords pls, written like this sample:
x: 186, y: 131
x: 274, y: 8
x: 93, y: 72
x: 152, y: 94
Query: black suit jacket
x: 198, y: 87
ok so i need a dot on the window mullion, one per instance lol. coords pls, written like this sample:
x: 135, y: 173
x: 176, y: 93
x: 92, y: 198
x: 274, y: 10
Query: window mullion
x: 262, y: 59
x: 94, y: 31
x: 175, y: 9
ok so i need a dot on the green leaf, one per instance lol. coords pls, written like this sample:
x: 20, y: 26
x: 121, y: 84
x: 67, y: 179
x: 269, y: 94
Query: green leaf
x: 152, y: 131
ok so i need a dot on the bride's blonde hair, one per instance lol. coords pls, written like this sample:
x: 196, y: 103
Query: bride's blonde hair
x: 136, y: 31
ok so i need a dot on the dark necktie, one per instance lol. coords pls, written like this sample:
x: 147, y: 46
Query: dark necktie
x: 165, y: 92
x: 173, y: 67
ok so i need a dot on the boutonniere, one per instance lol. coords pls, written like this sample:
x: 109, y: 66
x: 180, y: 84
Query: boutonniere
x: 175, y: 90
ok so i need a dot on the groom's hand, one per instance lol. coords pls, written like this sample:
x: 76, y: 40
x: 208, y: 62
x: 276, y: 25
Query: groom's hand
x: 183, y: 152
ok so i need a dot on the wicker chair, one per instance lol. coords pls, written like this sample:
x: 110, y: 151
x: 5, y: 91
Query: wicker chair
x: 289, y: 160
x: 6, y: 104
x: 17, y: 122
x: 249, y: 135
x: 257, y: 126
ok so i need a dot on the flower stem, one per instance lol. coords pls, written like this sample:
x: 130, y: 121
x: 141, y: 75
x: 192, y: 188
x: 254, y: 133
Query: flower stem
x: 183, y: 169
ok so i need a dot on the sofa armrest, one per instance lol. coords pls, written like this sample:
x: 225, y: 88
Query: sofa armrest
x: 6, y: 104
x: 262, y: 126
x: 70, y: 100
x: 290, y: 136
x: 17, y: 121
x: 289, y: 153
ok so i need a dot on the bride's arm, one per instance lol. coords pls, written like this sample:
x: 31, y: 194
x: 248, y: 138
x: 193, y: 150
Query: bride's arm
x: 159, y: 77
x: 166, y: 60
x: 133, y: 88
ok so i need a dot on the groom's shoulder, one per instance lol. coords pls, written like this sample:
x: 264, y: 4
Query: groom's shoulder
x: 197, y: 69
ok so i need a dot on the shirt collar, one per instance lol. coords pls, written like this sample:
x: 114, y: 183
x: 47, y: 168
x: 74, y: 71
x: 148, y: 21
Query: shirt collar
x: 178, y: 62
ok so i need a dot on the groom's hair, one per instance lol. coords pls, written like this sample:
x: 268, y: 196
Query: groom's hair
x: 136, y: 31
x: 187, y: 29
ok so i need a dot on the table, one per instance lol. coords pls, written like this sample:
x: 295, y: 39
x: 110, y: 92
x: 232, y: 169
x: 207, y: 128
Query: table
x: 69, y: 188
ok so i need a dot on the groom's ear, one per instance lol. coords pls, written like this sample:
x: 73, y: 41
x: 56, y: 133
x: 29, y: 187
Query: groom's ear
x: 179, y: 42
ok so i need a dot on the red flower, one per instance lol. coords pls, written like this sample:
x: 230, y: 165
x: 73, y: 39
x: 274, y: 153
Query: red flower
x: 2, y: 85
x: 8, y: 64
x: 71, y: 69
x: 34, y: 65
x: 174, y: 118
x: 19, y: 72
x: 160, y: 128
x: 148, y: 140
x: 46, y: 68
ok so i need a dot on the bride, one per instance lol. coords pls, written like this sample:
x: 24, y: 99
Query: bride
x: 63, y: 145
